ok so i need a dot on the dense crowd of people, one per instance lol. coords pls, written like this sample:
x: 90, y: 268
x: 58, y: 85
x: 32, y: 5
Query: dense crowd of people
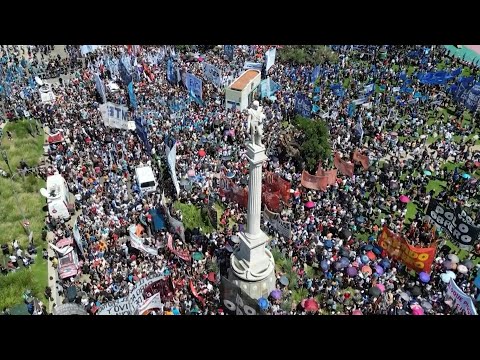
x: 98, y: 163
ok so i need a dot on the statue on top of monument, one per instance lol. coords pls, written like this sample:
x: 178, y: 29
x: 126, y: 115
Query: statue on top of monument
x: 255, y: 123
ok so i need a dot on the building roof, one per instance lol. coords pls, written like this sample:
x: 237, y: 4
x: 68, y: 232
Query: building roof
x: 244, y: 80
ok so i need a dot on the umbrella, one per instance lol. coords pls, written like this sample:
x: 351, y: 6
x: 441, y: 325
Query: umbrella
x: 462, y: 269
x: 202, y: 153
x: 427, y: 172
x: 453, y: 258
x: 374, y: 291
x: 417, y: 310
x: 416, y: 291
x: 276, y: 294
x: 211, y: 276
x: 311, y: 305
x: 368, y: 247
x: 424, y: 277
x: 404, y: 199
x: 404, y: 296
x: 344, y: 262
x: 379, y: 270
x: 449, y: 264
x: 191, y: 173
x: 197, y: 255
x: 426, y: 305
x: 466, y: 176
x: 367, y: 270
x: 447, y: 276
x: 381, y: 287
x: 364, y: 259
x: 351, y: 271
x: 230, y: 175
x: 371, y: 255
x: 309, y: 204
x: 283, y: 280
x: 357, y: 312
x: 328, y: 244
x: 263, y: 303
x: 324, y: 265
x: 468, y: 264
x: 345, y: 234
x: 360, y: 219
x: 377, y: 251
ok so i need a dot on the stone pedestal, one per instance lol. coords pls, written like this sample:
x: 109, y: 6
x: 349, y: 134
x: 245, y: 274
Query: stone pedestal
x: 252, y: 265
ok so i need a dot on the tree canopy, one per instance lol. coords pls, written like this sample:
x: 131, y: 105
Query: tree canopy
x: 307, y: 54
x: 315, y: 144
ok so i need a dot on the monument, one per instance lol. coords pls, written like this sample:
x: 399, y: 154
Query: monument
x: 252, y: 265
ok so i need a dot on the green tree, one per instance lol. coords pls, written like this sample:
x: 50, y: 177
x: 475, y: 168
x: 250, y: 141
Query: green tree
x: 307, y: 54
x: 314, y: 138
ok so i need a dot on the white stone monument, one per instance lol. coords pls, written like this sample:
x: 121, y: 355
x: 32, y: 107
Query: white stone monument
x: 252, y: 265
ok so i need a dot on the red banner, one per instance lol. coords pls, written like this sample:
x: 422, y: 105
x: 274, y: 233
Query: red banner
x: 346, y: 168
x: 331, y: 174
x: 182, y: 254
x: 314, y: 182
x: 195, y: 293
x: 363, y: 159
x: 275, y: 183
x: 418, y: 259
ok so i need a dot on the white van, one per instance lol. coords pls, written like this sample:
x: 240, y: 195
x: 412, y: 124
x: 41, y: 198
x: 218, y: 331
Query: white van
x: 58, y: 197
x: 146, y: 179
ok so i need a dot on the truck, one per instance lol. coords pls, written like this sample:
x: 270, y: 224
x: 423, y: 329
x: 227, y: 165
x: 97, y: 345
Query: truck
x: 146, y: 179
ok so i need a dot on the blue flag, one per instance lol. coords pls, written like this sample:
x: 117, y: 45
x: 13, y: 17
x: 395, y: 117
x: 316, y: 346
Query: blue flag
x: 124, y: 74
x: 131, y: 94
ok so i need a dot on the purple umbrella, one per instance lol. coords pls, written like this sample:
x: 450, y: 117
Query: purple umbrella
x: 352, y: 271
x: 276, y: 294
x: 309, y: 204
x: 379, y: 270
x: 424, y: 277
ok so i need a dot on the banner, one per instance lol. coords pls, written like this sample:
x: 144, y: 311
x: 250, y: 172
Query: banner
x: 124, y: 73
x: 236, y: 301
x: 137, y: 241
x: 85, y: 49
x: 115, y: 116
x: 268, y: 87
x: 330, y: 174
x: 154, y: 302
x: 131, y: 95
x: 461, y: 302
x: 303, y: 105
x: 194, y: 85
x: 461, y: 231
x: 176, y: 226
x: 46, y: 94
x: 78, y: 237
x: 171, y: 154
x: 363, y: 159
x: 314, y: 182
x: 182, y: 254
x: 163, y: 287
x: 284, y: 228
x: 270, y: 58
x: 248, y: 65
x: 212, y: 74
x: 418, y: 259
x: 100, y: 88
x: 346, y: 168
x: 129, y: 304
x: 171, y: 72
x: 315, y: 74
x: 228, y: 50
x: 139, y: 125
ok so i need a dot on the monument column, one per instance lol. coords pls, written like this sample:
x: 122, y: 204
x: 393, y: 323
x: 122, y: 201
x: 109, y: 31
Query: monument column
x: 252, y: 265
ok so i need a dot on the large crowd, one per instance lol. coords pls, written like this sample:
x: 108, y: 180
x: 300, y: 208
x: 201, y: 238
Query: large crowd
x: 99, y: 162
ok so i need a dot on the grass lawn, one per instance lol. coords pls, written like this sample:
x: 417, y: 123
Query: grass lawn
x: 16, y: 196
x: 192, y: 217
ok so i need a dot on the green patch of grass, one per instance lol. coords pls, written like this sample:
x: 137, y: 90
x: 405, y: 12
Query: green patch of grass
x: 436, y: 185
x: 20, y: 196
x: 411, y: 212
x: 192, y: 217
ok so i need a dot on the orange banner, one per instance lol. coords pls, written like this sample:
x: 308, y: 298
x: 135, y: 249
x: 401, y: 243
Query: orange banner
x: 331, y: 174
x: 358, y: 156
x: 418, y: 259
x: 314, y: 182
x: 346, y: 168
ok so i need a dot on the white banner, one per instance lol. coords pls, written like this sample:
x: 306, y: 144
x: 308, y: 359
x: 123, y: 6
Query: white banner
x: 137, y: 242
x: 270, y: 58
x: 282, y: 227
x: 171, y: 159
x: 212, y: 74
x: 153, y: 302
x: 252, y: 65
x: 46, y: 94
x: 461, y: 301
x: 85, y: 49
x: 115, y: 116
x: 130, y: 304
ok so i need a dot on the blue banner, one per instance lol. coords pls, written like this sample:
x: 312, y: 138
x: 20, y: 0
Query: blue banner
x: 100, y: 88
x: 171, y: 72
x: 315, y: 74
x: 142, y: 134
x: 124, y: 74
x: 228, y: 50
x: 472, y: 100
x: 212, y: 74
x: 131, y: 94
x: 194, y: 85
x: 303, y: 105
